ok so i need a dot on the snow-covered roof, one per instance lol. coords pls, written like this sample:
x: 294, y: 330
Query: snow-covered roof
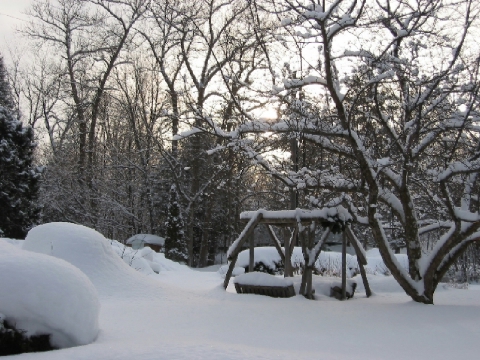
x: 330, y: 214
x: 148, y: 239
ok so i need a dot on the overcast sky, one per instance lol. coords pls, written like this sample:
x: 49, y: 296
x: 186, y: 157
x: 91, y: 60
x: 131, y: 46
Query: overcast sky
x: 11, y: 13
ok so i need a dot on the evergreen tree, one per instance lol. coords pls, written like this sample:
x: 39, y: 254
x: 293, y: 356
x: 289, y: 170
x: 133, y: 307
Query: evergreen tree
x: 19, y: 180
x: 6, y: 98
x: 175, y: 242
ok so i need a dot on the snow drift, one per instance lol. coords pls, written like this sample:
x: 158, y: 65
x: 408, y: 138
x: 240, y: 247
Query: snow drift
x: 44, y: 295
x: 88, y: 250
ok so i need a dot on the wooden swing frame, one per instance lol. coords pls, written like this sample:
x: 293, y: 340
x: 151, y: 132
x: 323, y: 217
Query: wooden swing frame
x: 300, y: 220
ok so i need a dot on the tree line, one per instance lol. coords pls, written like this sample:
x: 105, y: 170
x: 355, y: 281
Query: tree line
x: 144, y: 108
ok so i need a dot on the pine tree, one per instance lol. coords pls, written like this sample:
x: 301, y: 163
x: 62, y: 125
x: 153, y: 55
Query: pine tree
x: 6, y: 98
x: 175, y: 242
x: 19, y: 179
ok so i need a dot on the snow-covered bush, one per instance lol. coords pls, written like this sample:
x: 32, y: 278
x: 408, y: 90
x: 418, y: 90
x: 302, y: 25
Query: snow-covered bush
x: 268, y: 260
x: 85, y: 248
x: 44, y: 295
x: 236, y: 270
x: 145, y: 260
x: 98, y: 258
x: 141, y: 260
x: 376, y: 266
x: 14, y: 341
x: 329, y: 263
x: 262, y: 279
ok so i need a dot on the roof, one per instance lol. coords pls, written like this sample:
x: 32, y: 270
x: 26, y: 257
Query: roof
x: 337, y: 214
x: 147, y: 239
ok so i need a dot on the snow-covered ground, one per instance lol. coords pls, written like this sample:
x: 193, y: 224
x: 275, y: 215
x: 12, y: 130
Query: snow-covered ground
x: 181, y: 313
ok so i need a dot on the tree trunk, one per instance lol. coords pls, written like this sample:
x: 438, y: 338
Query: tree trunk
x: 202, y: 261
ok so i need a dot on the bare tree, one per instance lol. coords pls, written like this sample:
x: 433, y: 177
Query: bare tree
x: 396, y: 106
x: 90, y: 36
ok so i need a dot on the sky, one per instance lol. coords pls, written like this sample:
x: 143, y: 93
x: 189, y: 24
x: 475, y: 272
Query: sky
x: 11, y: 16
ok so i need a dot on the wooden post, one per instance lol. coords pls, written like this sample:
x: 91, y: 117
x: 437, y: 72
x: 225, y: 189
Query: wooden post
x: 309, y: 291
x: 276, y: 242
x: 368, y: 292
x: 288, y: 254
x: 361, y: 259
x: 306, y: 257
x: 229, y: 271
x: 344, y: 267
x: 238, y: 245
x: 309, y: 269
x: 292, y: 247
x: 303, y: 284
x: 293, y: 242
x: 307, y: 239
x: 311, y: 240
x: 251, y: 263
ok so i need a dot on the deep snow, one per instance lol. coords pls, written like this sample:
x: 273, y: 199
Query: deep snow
x: 185, y: 314
x: 42, y: 294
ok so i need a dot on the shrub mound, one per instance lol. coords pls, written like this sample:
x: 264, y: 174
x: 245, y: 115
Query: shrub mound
x: 14, y: 341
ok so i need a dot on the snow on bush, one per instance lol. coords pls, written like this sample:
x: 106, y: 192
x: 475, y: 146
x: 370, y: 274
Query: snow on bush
x: 14, y: 242
x: 262, y: 279
x: 44, y: 295
x: 89, y: 251
x: 146, y: 260
x: 268, y: 256
x: 376, y: 266
x: 328, y: 263
x: 141, y: 260
x: 167, y: 264
x: 236, y: 270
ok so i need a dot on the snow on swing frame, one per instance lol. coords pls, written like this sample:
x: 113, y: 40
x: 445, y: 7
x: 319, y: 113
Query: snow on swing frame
x: 333, y: 219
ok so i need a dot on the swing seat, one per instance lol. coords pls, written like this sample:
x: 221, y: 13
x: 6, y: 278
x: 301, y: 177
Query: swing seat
x: 272, y: 291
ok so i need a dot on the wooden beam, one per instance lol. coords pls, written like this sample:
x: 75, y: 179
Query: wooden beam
x: 288, y: 255
x: 307, y: 239
x: 237, y: 245
x: 276, y: 242
x: 356, y: 245
x: 368, y: 292
x: 251, y: 260
x: 318, y: 246
x: 228, y: 275
x: 361, y: 258
x: 293, y: 241
x: 344, y: 266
